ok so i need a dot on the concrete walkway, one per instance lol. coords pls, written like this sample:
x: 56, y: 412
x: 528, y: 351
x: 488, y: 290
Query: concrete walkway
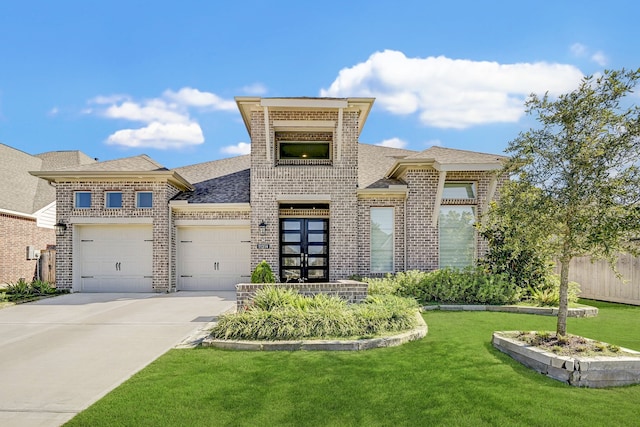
x: 60, y: 355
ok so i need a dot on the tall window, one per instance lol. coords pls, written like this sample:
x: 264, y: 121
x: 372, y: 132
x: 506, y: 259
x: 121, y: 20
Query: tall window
x: 113, y: 199
x: 144, y: 199
x: 456, y: 219
x: 457, y: 236
x: 382, y: 241
x: 82, y: 199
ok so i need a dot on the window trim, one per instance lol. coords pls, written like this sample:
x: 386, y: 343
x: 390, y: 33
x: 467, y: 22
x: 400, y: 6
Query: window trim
x: 106, y: 199
x: 138, y: 199
x: 75, y: 199
x: 393, y: 239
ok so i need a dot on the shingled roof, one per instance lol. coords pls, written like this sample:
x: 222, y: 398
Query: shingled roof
x: 24, y: 193
x: 218, y: 181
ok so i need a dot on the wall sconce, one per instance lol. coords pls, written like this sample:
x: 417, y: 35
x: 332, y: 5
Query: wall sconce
x: 60, y: 228
x: 263, y: 227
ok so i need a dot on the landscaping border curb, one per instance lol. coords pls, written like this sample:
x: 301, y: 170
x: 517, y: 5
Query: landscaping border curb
x: 541, y: 311
x: 417, y: 333
x: 593, y: 372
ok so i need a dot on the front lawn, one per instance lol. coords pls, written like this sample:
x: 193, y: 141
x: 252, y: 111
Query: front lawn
x: 452, y: 377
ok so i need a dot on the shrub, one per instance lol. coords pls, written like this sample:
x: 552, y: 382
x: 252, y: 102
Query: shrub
x: 549, y: 293
x: 280, y: 313
x: 448, y: 285
x: 263, y: 273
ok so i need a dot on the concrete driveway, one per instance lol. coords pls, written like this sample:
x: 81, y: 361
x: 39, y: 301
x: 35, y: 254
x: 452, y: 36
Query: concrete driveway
x: 60, y: 355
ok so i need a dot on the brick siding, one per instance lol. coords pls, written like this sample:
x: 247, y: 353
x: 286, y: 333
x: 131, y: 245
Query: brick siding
x: 349, y: 290
x: 16, y: 234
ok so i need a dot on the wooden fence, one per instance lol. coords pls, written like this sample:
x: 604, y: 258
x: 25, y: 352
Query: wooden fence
x: 597, y: 280
x: 47, y: 266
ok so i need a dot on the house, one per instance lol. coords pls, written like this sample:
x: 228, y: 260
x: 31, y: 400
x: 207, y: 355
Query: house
x: 28, y: 208
x: 310, y: 199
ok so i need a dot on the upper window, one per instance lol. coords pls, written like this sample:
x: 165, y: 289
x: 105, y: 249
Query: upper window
x: 144, y: 199
x: 382, y: 240
x: 304, y: 150
x: 459, y: 190
x: 113, y: 199
x: 304, y: 147
x: 82, y: 199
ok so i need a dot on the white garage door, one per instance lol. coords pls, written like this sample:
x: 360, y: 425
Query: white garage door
x: 115, y: 258
x: 213, y: 258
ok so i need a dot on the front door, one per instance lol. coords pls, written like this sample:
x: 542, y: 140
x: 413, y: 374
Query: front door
x: 304, y: 249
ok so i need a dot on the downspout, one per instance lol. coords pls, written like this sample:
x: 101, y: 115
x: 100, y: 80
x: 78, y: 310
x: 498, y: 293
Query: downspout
x: 170, y: 269
x: 405, y: 233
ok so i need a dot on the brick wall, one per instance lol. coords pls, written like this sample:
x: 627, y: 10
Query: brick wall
x: 422, y: 236
x: 159, y: 214
x: 349, y: 290
x: 364, y: 234
x: 16, y: 233
x: 339, y: 181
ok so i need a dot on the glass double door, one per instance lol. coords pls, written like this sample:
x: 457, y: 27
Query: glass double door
x: 304, y: 249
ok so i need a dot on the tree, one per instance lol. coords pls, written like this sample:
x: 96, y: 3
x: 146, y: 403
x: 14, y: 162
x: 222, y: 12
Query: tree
x: 575, y: 179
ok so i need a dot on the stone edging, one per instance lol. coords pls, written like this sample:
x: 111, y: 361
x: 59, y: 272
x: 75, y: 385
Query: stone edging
x: 594, y: 372
x: 417, y: 333
x: 542, y: 311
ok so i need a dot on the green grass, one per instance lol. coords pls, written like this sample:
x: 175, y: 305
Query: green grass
x: 452, y: 377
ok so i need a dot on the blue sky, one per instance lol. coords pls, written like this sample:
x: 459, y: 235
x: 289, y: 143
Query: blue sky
x: 120, y: 78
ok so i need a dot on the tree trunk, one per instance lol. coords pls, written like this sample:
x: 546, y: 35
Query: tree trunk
x: 563, y: 309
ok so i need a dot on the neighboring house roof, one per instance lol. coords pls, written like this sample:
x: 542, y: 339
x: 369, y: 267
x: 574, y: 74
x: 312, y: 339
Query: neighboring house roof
x: 138, y: 167
x: 46, y: 193
x: 22, y: 192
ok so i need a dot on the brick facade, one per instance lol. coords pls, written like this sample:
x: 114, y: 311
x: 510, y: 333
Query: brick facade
x: 271, y: 184
x: 17, y: 233
x: 411, y: 191
x: 364, y: 235
x: 158, y: 214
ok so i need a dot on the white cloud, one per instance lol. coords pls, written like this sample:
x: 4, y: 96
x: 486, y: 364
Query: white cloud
x: 600, y: 58
x: 578, y: 49
x: 53, y: 112
x: 255, y: 89
x: 393, y: 143
x: 154, y: 110
x: 159, y: 135
x: 167, y: 121
x: 238, y: 149
x: 581, y: 51
x: 451, y: 93
x: 191, y: 97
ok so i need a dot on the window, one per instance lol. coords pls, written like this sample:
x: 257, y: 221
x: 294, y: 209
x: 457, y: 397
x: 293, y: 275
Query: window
x: 457, y: 236
x: 304, y: 150
x: 82, y: 199
x: 144, y: 199
x: 459, y: 190
x: 113, y: 199
x: 382, y: 240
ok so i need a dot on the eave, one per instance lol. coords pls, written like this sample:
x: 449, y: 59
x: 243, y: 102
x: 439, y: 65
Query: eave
x: 76, y: 176
x: 402, y: 165
x: 185, y: 206
x: 248, y: 103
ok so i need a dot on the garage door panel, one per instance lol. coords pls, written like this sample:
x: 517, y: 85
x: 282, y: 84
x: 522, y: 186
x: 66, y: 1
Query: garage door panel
x: 213, y: 258
x: 116, y: 258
